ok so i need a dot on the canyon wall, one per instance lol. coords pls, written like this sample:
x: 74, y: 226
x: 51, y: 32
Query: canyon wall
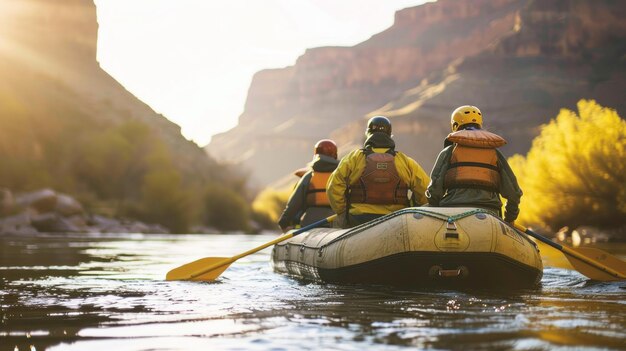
x: 289, y: 109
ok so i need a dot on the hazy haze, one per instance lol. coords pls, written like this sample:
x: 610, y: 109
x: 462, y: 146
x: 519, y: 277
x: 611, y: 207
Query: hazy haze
x: 192, y: 60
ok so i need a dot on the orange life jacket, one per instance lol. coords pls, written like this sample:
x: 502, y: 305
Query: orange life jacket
x: 474, y: 161
x: 380, y: 183
x: 316, y: 193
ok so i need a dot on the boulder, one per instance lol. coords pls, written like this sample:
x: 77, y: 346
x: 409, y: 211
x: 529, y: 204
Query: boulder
x: 137, y: 227
x: 103, y: 224
x: 201, y: 229
x: 590, y: 234
x: 43, y: 200
x: 20, y: 223
x: 79, y: 222
x: 7, y: 203
x: 157, y: 229
x: 22, y: 230
x: 53, y: 223
x: 140, y: 227
x: 68, y: 206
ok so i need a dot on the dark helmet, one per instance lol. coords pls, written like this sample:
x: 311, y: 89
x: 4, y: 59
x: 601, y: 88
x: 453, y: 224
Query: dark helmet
x: 378, y: 124
x: 326, y: 147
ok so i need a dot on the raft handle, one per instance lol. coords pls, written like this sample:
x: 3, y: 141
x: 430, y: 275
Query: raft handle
x: 449, y: 273
x: 439, y: 272
x: 452, y: 235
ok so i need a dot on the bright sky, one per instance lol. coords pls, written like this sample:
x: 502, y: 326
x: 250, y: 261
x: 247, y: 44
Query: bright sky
x: 193, y: 60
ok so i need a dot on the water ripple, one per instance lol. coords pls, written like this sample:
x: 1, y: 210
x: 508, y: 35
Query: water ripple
x: 108, y: 292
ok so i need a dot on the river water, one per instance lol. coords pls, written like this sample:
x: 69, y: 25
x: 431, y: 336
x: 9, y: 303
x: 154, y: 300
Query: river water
x: 107, y: 292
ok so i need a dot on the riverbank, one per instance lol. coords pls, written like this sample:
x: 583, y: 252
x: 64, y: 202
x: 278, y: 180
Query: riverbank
x: 48, y: 211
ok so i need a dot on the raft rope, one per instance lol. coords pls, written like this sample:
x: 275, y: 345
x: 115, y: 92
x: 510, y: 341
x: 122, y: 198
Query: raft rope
x: 451, y: 219
x: 432, y: 214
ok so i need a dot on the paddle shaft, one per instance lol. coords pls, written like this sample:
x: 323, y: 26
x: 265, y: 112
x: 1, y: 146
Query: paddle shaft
x: 570, y: 252
x: 259, y: 248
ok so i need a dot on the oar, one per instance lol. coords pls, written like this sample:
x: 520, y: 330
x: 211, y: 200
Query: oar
x: 593, y: 263
x: 209, y: 268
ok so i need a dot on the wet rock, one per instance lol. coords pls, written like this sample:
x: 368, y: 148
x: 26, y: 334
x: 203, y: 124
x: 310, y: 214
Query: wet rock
x: 100, y: 224
x: 20, y: 223
x: 20, y: 230
x: 53, y: 223
x: 590, y: 234
x: 68, y: 206
x: 157, y: 229
x: 101, y: 221
x: 43, y: 200
x: 137, y: 227
x: 51, y: 212
x: 7, y: 202
x: 79, y: 221
x: 103, y: 224
x: 140, y: 227
x: 200, y: 229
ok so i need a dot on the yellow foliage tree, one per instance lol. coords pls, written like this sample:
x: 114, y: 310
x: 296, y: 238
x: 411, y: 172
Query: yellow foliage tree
x: 271, y: 202
x: 575, y: 171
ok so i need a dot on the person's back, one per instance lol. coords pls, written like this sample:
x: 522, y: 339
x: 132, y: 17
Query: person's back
x: 470, y: 171
x: 309, y: 203
x: 375, y: 180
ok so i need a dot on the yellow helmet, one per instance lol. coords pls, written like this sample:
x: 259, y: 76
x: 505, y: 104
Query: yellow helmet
x: 465, y: 115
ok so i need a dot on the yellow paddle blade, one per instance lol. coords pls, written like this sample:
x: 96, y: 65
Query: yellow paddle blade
x: 552, y: 257
x: 602, y: 257
x: 608, y: 267
x: 593, y: 263
x: 211, y: 266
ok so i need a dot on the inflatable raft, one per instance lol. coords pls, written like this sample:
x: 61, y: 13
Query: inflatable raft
x: 422, y: 246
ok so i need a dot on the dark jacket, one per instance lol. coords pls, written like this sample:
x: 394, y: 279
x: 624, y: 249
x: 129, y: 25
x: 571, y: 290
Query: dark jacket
x: 439, y: 196
x: 297, y: 211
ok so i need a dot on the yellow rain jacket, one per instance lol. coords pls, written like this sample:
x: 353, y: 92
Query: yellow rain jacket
x: 349, y: 171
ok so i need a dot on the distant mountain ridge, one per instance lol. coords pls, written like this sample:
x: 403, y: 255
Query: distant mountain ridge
x: 519, y: 60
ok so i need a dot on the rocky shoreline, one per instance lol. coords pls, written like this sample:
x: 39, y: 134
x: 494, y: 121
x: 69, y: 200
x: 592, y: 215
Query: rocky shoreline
x: 48, y: 211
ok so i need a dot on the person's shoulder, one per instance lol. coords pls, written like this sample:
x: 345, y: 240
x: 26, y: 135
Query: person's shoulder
x: 407, y: 160
x: 447, y: 150
x: 354, y: 154
x: 306, y: 176
x: 402, y: 155
x: 501, y: 157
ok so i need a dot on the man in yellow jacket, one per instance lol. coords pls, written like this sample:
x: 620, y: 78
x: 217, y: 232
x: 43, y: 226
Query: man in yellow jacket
x: 375, y: 180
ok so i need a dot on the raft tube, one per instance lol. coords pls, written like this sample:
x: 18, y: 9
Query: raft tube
x: 421, y: 246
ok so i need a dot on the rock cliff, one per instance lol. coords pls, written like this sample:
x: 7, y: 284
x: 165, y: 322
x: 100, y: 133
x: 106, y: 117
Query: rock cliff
x: 519, y: 61
x: 49, y: 74
x: 561, y: 51
x: 288, y: 109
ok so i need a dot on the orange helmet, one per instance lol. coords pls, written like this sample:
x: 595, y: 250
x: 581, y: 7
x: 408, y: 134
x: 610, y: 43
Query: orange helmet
x: 326, y: 147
